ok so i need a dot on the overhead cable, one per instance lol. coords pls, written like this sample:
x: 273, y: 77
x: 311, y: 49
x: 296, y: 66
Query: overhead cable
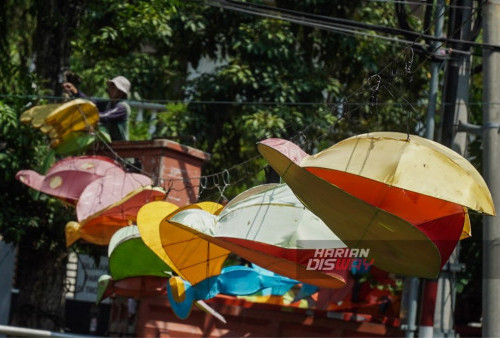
x: 340, y: 25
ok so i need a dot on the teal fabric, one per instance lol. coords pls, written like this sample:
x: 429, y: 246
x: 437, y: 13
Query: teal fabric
x: 233, y: 281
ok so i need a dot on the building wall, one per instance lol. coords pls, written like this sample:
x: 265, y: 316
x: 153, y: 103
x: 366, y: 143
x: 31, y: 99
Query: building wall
x: 247, y: 319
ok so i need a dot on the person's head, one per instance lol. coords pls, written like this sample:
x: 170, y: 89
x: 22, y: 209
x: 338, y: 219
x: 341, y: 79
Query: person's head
x: 118, y: 87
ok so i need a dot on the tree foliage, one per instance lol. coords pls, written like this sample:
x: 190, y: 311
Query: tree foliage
x: 279, y: 79
x: 35, y: 222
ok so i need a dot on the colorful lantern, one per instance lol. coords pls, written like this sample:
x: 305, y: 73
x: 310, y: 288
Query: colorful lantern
x: 402, y: 197
x: 66, y: 124
x: 266, y: 225
x: 67, y: 178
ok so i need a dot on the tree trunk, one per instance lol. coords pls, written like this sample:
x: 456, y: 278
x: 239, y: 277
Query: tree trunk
x: 57, y: 23
x: 42, y: 255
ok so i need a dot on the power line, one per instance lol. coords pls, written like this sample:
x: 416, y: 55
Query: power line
x: 249, y: 103
x: 416, y: 3
x: 342, y: 26
x: 402, y: 2
x: 245, y: 102
x: 337, y: 28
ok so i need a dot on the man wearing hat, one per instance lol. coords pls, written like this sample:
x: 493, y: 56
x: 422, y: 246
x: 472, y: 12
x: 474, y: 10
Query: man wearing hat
x: 113, y: 113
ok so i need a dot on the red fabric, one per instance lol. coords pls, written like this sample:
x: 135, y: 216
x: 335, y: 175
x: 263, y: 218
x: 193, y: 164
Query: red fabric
x: 441, y: 221
x: 299, y: 256
x: 137, y: 287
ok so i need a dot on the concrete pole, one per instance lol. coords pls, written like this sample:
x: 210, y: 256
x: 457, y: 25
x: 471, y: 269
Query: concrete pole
x: 409, y: 306
x: 445, y: 300
x: 428, y: 308
x: 428, y: 297
x: 491, y: 157
x: 459, y: 140
x: 456, y: 93
x: 435, y: 67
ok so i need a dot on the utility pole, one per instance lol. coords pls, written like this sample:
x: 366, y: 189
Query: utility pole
x: 456, y: 99
x: 456, y: 91
x: 491, y: 157
x: 437, y: 312
x: 429, y: 287
x: 435, y: 67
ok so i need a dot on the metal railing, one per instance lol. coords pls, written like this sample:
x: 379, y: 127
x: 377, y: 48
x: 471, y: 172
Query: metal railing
x: 27, y: 332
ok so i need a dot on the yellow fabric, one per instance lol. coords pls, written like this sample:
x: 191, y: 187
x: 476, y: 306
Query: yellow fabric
x: 59, y: 121
x: 358, y: 224
x: 72, y: 116
x: 149, y: 218
x: 466, y: 231
x: 72, y: 233
x: 36, y: 115
x: 92, y: 234
x: 190, y: 256
x: 178, y: 289
x: 100, y: 227
x: 196, y: 258
x: 435, y: 169
x: 211, y: 207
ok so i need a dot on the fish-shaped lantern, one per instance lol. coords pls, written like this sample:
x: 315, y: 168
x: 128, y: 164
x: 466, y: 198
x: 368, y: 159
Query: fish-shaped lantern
x: 402, y: 197
x: 266, y: 225
x: 67, y: 178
